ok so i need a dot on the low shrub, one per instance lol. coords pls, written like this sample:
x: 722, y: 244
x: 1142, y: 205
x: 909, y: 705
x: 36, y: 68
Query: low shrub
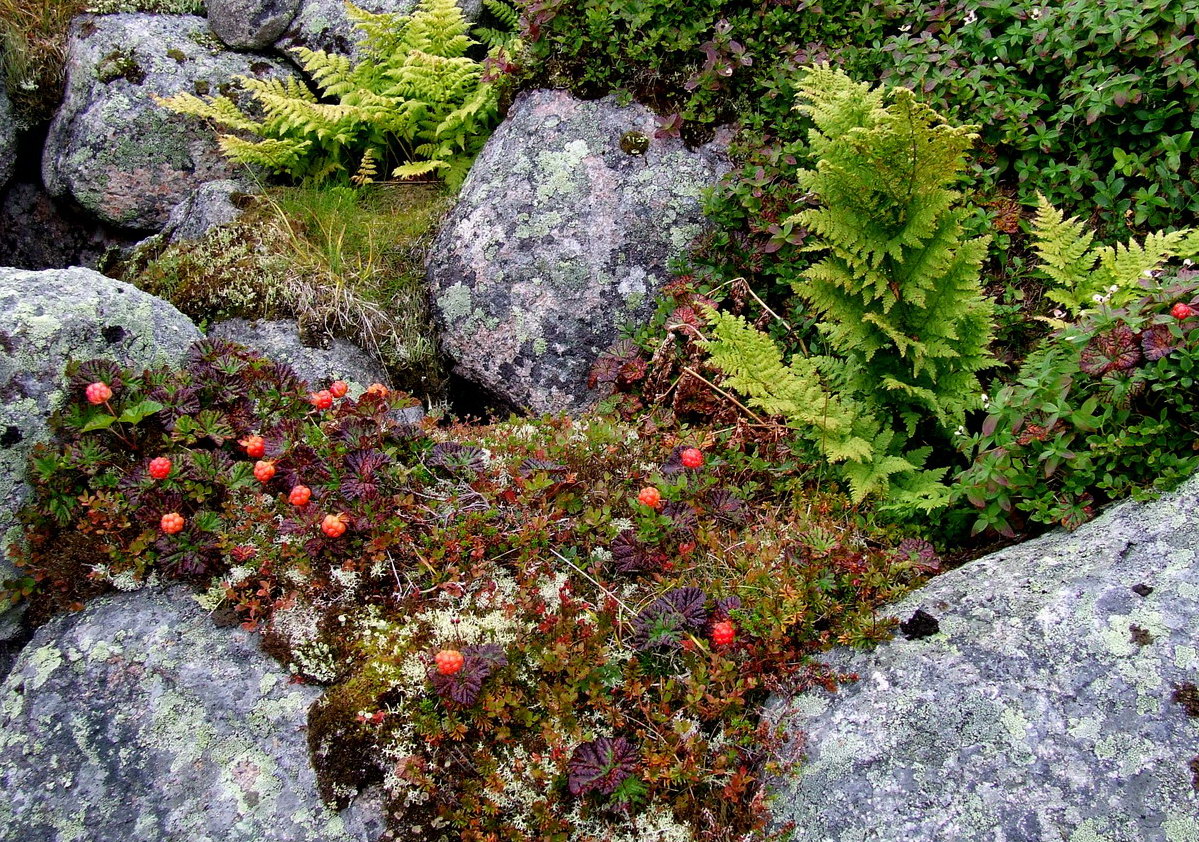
x: 1105, y: 408
x: 517, y: 640
x: 698, y: 64
x: 1093, y: 105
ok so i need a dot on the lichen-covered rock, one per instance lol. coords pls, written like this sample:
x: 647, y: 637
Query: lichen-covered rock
x: 209, y: 205
x: 1052, y: 703
x: 138, y: 720
x: 250, y: 24
x: 562, y: 235
x: 280, y: 340
x: 111, y: 148
x: 324, y: 24
x: 46, y: 319
x: 8, y: 139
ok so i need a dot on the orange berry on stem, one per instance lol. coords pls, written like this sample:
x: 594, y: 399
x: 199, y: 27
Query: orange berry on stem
x: 300, y: 495
x: 338, y: 388
x: 171, y: 523
x: 723, y: 633
x: 97, y: 393
x: 692, y: 458
x: 333, y: 525
x: 322, y: 399
x: 1182, y: 311
x: 264, y: 471
x: 160, y: 467
x: 255, y: 446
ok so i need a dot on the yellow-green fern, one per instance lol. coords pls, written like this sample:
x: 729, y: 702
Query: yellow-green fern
x: 414, y: 100
x: 1084, y: 277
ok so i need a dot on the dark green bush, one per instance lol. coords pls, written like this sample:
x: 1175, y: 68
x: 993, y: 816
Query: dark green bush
x: 1106, y: 407
x: 1092, y: 104
x: 696, y: 63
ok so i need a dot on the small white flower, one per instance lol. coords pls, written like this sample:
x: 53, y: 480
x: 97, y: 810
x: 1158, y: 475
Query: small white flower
x: 907, y: 27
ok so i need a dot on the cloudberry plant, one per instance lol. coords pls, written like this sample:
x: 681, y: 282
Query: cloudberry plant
x: 513, y: 545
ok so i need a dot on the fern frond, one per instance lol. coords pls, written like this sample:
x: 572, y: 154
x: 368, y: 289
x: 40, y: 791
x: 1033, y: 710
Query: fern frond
x: 753, y: 366
x: 272, y: 153
x: 1063, y: 245
x: 1110, y: 274
x: 333, y: 74
x: 418, y: 169
x: 413, y: 92
x: 220, y: 110
x: 367, y: 170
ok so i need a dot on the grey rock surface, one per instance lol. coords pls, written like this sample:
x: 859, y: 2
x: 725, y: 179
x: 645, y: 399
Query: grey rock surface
x: 1043, y: 709
x: 560, y: 237
x: 138, y: 720
x: 111, y: 148
x: 324, y: 25
x: 46, y: 319
x: 250, y: 24
x: 38, y: 233
x: 209, y: 205
x: 8, y: 139
x: 280, y: 340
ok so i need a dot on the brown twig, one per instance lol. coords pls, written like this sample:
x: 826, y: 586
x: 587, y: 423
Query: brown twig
x: 736, y: 402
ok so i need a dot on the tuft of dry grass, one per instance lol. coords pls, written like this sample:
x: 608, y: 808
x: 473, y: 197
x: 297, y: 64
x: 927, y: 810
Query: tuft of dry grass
x: 342, y: 262
x: 33, y: 45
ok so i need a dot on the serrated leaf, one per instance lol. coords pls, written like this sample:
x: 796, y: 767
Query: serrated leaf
x: 100, y: 422
x: 139, y: 411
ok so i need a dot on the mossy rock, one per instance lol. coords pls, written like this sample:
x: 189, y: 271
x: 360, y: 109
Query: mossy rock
x: 1050, y: 699
x: 138, y: 719
x: 112, y: 150
x: 563, y: 234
